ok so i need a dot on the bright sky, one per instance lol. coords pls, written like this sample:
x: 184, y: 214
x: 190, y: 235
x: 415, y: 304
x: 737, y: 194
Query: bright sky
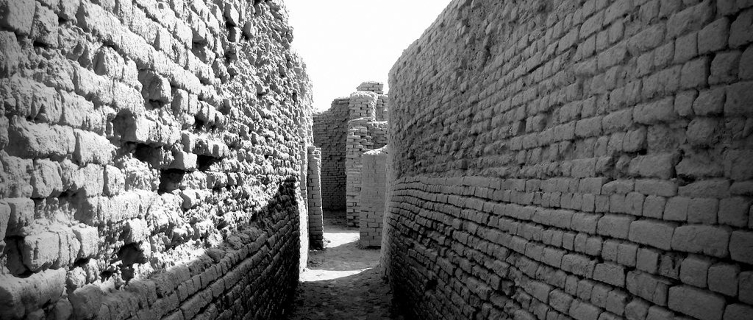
x: 346, y: 42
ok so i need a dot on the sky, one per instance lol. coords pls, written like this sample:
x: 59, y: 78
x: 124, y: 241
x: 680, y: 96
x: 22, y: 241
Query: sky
x: 347, y: 42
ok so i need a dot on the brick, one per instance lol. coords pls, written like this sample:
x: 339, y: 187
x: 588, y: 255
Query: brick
x: 686, y: 48
x: 746, y: 64
x: 647, y: 260
x: 739, y: 34
x: 703, y: 131
x: 734, y: 211
x: 610, y: 273
x: 653, y: 207
x: 637, y: 309
x: 737, y: 312
x: 654, y: 233
x: 713, y: 37
x: 21, y: 215
x: 694, y: 271
x: 37, y: 252
x: 735, y: 165
x: 738, y: 99
x: 653, y: 166
x: 626, y: 254
x: 692, y: 18
x: 715, y: 188
x: 745, y: 287
x: 45, y: 25
x: 741, y: 246
x: 614, y: 226
x: 696, y: 303
x: 659, y: 313
x: 17, y: 15
x: 723, y: 278
x: 701, y: 239
x: 656, y: 187
x: 45, y: 179
x: 702, y: 211
x: 649, y: 287
x: 584, y: 311
x: 617, y: 301
x: 695, y: 73
x: 658, y: 111
x: 709, y: 102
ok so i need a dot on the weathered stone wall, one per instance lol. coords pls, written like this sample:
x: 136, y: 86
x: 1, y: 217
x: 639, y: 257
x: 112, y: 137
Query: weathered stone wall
x: 584, y: 159
x: 151, y: 155
x: 316, y: 214
x: 373, y: 187
x: 330, y: 131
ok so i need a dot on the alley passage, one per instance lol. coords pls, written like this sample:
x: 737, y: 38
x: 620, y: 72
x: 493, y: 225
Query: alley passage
x: 343, y: 281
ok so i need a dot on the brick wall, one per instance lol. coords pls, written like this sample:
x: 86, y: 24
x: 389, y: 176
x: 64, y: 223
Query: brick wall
x: 364, y: 134
x: 330, y: 131
x: 151, y: 156
x: 316, y: 215
x: 574, y: 159
x: 373, y: 186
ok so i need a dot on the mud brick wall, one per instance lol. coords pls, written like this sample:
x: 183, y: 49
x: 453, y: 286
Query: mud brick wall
x: 364, y: 134
x: 150, y: 159
x: 330, y: 132
x: 575, y: 159
x: 316, y: 222
x: 382, y: 111
x: 373, y: 187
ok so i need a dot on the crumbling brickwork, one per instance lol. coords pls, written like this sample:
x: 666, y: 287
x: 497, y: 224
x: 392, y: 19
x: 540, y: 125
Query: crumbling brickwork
x: 364, y: 134
x: 575, y: 159
x: 373, y: 187
x: 151, y: 155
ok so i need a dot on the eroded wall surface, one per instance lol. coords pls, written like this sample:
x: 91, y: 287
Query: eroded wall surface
x: 314, y: 194
x: 330, y: 131
x: 575, y: 159
x: 151, y: 158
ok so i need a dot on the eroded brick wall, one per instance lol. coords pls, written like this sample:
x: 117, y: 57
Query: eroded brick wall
x: 151, y: 158
x: 364, y: 134
x: 575, y: 159
x: 314, y: 194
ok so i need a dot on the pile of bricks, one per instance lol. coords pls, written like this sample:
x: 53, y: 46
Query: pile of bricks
x: 139, y: 176
x: 581, y: 159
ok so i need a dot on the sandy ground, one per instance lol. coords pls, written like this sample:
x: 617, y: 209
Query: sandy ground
x: 342, y: 281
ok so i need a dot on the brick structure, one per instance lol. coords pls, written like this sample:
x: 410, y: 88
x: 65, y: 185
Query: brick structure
x: 152, y: 159
x: 574, y: 159
x: 373, y: 188
x: 344, y: 132
x: 316, y: 214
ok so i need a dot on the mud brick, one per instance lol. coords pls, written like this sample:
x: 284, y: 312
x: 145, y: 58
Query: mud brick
x: 653, y: 166
x: 735, y: 164
x: 702, y: 210
x: 696, y: 303
x: 702, y: 131
x: 694, y: 73
x: 686, y: 48
x: 610, y: 273
x: 658, y: 111
x: 637, y: 309
x: 717, y: 188
x: 88, y: 238
x: 658, y: 234
x: 677, y: 209
x: 649, y: 287
x: 734, y: 211
x: 653, y: 207
x: 21, y: 215
x: 39, y: 140
x: 648, y: 260
x: 40, y: 250
x: 45, y: 179
x: 723, y: 277
x: 626, y: 254
x: 701, y: 239
x: 739, y: 33
x: 741, y: 246
x: 617, y: 301
x: 614, y: 226
x: 694, y: 271
x: 618, y: 187
x: 17, y: 15
x: 658, y: 313
x: 746, y: 64
x: 738, y: 100
x: 691, y: 18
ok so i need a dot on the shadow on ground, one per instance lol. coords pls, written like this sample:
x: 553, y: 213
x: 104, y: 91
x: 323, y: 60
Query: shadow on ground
x: 343, y: 281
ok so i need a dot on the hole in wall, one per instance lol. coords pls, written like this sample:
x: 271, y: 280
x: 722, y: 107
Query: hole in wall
x: 204, y: 163
x: 170, y: 180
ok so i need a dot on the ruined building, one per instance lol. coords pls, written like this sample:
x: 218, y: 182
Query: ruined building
x: 153, y: 159
x: 574, y: 159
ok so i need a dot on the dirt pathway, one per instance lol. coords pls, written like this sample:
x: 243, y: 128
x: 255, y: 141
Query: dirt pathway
x: 342, y: 281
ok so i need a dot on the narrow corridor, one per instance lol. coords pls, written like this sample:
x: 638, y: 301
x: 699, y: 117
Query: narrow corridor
x: 343, y: 281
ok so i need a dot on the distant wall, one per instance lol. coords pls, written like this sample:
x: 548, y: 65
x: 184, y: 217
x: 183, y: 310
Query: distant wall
x: 152, y: 156
x: 574, y: 159
x: 364, y: 134
x: 373, y: 187
x: 330, y: 131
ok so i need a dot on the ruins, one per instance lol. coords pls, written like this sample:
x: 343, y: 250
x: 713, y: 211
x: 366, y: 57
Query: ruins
x: 535, y: 159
